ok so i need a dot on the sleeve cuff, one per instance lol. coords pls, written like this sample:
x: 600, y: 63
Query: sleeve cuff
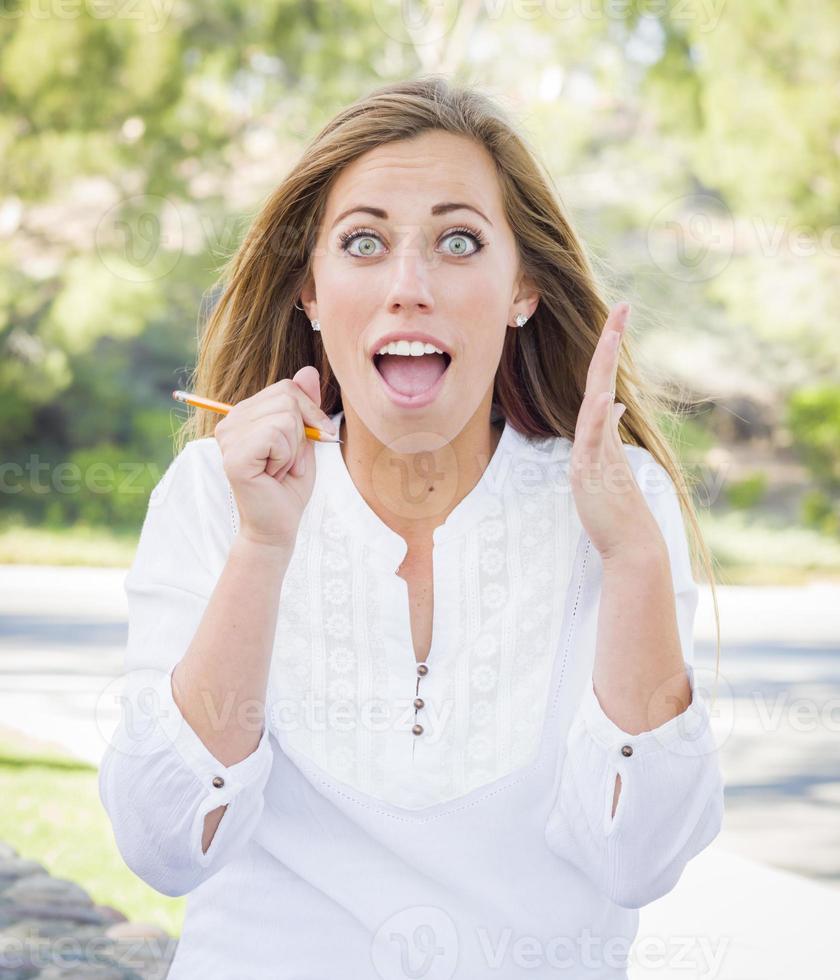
x: 684, y: 732
x: 222, y: 782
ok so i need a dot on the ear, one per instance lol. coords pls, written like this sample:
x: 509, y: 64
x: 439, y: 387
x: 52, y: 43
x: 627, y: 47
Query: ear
x: 526, y: 298
x: 308, y: 301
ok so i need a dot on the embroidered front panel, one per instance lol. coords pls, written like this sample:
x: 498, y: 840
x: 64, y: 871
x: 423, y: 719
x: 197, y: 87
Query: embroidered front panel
x: 329, y: 679
x: 510, y: 576
x: 342, y: 678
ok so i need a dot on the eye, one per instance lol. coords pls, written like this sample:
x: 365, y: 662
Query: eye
x: 463, y: 233
x: 364, y: 234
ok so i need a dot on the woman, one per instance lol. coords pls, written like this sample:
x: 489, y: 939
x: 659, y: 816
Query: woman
x: 420, y: 703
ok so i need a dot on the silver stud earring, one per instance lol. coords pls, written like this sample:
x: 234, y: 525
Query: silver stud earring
x: 316, y: 325
x: 521, y: 319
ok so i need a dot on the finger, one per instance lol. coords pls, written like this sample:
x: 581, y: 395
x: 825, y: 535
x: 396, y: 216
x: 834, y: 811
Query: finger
x: 603, y: 368
x: 296, y: 439
x: 589, y: 431
x: 604, y: 364
x: 603, y: 420
x: 259, y: 452
x: 302, y: 461
x: 282, y: 403
x: 616, y: 410
x: 311, y: 413
x: 281, y: 413
x: 593, y: 416
x: 276, y: 464
x: 282, y: 470
x: 276, y: 441
x: 300, y: 406
x: 619, y: 408
x: 298, y: 467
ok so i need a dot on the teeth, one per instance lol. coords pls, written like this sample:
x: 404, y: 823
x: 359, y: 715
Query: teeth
x: 409, y: 348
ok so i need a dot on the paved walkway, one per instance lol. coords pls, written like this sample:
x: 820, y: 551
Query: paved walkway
x: 733, y: 918
x: 761, y: 903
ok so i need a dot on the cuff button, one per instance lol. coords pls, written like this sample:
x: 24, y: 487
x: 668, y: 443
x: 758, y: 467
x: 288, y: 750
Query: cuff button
x: 626, y: 749
x: 218, y: 781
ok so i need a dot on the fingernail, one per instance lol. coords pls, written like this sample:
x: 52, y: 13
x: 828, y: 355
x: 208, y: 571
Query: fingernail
x: 329, y: 425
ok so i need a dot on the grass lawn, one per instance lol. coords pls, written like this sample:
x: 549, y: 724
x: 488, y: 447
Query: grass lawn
x: 753, y: 551
x: 53, y: 815
x: 22, y: 545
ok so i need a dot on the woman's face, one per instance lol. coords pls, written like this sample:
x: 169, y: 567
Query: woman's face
x: 395, y: 255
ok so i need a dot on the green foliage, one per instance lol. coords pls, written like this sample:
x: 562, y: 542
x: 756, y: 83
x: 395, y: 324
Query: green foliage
x: 813, y: 417
x: 821, y: 513
x: 747, y: 493
x: 744, y: 84
x: 687, y: 433
x: 98, y: 300
x: 136, y: 145
x: 103, y: 485
x: 114, y: 486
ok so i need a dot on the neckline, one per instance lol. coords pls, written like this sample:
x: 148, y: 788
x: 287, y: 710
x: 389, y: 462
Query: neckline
x: 363, y: 522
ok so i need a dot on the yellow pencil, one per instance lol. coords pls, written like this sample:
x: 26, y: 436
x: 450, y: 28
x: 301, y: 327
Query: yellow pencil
x: 188, y: 398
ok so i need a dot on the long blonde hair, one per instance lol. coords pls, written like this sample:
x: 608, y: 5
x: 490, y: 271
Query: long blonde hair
x: 255, y: 335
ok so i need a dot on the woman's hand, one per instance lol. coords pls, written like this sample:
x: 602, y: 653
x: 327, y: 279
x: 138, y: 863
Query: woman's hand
x: 269, y: 460
x: 611, y: 506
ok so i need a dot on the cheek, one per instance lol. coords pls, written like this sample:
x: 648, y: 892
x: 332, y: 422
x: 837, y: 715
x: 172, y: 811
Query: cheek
x: 481, y: 299
x: 343, y: 310
x: 332, y: 273
x: 342, y: 336
x: 345, y: 350
x: 480, y: 356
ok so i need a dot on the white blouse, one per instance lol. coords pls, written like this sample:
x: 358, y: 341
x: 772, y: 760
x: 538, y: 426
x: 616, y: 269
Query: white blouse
x: 398, y: 819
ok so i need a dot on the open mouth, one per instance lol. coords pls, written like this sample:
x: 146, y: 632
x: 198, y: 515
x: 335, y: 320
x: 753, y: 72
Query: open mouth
x: 410, y: 375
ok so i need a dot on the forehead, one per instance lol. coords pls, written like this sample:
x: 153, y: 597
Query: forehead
x: 427, y: 169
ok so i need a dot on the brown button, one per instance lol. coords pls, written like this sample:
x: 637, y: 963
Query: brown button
x: 419, y: 702
x: 417, y: 729
x: 422, y: 670
x: 626, y: 749
x: 218, y: 781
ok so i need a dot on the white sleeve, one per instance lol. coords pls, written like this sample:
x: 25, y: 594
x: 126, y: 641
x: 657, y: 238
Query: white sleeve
x: 157, y: 779
x: 671, y: 800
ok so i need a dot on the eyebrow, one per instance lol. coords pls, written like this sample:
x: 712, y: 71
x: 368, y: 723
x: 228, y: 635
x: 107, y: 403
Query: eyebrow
x: 443, y: 208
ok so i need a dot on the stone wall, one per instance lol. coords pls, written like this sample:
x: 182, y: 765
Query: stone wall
x: 50, y: 929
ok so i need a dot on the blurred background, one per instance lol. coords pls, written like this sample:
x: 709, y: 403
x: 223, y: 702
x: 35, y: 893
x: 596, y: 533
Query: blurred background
x: 696, y: 146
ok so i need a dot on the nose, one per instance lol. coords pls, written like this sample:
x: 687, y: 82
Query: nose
x: 410, y: 287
